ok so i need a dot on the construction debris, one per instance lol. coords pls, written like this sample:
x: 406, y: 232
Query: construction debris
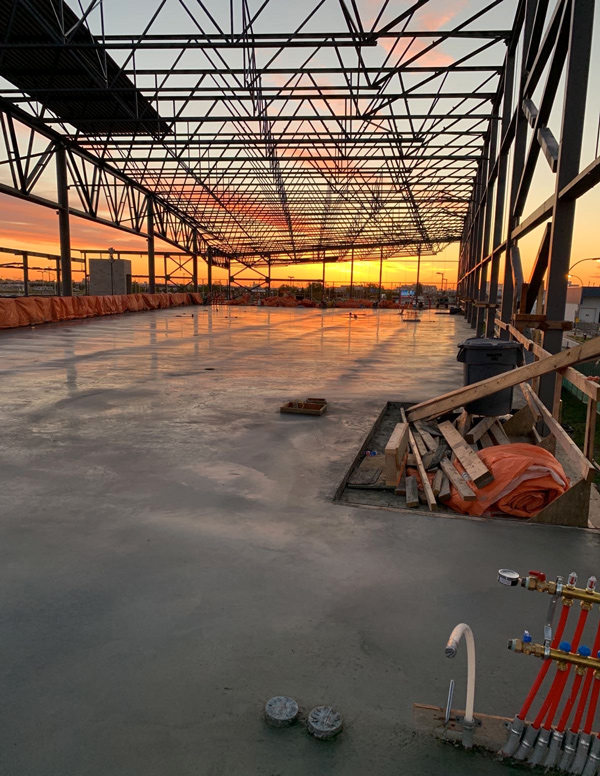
x: 443, y: 456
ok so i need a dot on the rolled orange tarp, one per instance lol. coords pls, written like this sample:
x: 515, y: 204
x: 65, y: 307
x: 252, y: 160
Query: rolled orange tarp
x: 526, y: 479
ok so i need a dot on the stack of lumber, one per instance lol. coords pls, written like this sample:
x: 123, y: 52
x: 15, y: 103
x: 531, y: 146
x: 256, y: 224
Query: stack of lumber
x: 421, y: 455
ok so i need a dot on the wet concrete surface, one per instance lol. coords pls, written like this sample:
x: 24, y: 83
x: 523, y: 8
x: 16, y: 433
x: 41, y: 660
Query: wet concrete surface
x: 172, y: 557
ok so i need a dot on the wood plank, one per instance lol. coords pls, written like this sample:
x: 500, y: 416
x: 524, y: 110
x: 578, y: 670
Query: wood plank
x: 412, y: 492
x: 521, y: 423
x: 395, y: 450
x: 537, y: 415
x: 570, y: 508
x: 457, y: 480
x: 445, y: 491
x: 480, y: 428
x: 431, y: 502
x: 547, y: 443
x: 432, y: 459
x: 436, y: 485
x: 364, y: 476
x: 578, y: 379
x: 449, y: 401
x: 426, y: 436
x: 584, y: 467
x: 590, y: 429
x: 430, y: 428
x: 471, y: 462
x: 400, y: 489
x: 485, y: 440
x: 498, y: 434
x: 360, y: 455
x: 490, y: 731
x: 463, y: 424
x: 421, y: 446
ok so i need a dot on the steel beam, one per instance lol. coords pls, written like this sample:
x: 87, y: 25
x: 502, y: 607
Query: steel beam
x: 150, y: 232
x: 571, y: 137
x: 64, y: 229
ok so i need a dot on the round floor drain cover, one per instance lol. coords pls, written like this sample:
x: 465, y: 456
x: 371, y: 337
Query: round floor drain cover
x: 324, y: 722
x: 281, y: 711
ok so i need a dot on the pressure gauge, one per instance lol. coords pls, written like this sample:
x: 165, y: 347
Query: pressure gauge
x: 508, y: 577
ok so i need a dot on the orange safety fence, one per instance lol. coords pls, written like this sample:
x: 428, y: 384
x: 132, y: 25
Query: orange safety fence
x: 32, y: 310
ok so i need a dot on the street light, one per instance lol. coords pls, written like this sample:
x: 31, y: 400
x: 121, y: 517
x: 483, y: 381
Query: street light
x: 442, y: 274
x: 594, y: 258
x: 569, y: 276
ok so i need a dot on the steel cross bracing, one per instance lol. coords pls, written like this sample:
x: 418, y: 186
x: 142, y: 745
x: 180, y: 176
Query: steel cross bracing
x: 357, y: 129
x: 549, y: 79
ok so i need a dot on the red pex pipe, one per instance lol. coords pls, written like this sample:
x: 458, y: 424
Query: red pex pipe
x: 562, y: 724
x: 551, y: 700
x: 586, y: 687
x: 560, y: 688
x: 589, y: 720
x: 545, y: 665
x: 583, y: 615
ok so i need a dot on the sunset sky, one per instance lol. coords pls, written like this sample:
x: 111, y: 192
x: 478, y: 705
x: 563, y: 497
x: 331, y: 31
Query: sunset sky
x: 26, y: 226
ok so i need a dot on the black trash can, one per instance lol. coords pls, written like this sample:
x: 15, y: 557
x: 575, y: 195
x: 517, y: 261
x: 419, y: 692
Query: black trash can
x: 485, y: 357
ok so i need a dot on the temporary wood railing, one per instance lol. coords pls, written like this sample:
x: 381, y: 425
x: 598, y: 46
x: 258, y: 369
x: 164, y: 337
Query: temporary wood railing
x: 588, y: 387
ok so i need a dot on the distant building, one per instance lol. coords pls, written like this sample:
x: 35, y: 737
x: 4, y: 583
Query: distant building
x: 589, y: 304
x: 572, y: 304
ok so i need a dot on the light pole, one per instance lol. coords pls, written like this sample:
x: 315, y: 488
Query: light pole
x: 570, y: 275
x: 594, y: 258
x: 442, y: 274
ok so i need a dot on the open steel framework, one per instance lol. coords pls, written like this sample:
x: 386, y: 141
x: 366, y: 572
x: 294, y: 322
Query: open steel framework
x: 339, y: 138
x: 555, y: 50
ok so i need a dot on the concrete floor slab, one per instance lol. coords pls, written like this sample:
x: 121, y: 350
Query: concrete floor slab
x: 172, y: 558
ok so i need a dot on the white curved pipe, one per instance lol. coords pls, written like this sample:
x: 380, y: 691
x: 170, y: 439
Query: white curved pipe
x: 462, y: 629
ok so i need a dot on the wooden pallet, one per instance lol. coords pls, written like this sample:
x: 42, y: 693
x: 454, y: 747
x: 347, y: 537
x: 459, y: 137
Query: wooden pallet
x: 308, y: 407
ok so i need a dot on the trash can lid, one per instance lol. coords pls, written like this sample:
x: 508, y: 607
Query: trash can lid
x: 489, y: 343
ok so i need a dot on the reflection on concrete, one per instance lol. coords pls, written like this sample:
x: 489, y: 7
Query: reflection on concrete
x: 172, y: 558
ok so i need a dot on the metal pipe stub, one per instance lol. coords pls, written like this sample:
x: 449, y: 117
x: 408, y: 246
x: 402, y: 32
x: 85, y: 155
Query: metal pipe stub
x: 281, y: 711
x: 324, y: 722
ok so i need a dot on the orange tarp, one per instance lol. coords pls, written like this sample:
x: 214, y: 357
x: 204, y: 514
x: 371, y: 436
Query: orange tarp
x: 526, y: 479
x: 32, y: 310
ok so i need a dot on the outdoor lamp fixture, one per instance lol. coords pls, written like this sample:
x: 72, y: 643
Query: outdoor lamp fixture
x: 594, y: 258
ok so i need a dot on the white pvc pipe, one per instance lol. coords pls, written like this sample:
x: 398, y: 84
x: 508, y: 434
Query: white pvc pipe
x: 462, y: 629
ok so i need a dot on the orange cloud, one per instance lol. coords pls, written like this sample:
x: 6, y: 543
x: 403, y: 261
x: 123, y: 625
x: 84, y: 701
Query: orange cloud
x: 435, y: 20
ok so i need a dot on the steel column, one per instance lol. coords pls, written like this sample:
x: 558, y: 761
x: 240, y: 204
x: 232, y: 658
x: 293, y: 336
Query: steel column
x: 195, y: 262
x: 501, y: 191
x: 26, y: 274
x: 151, y: 259
x: 209, y: 266
x: 64, y: 229
x: 519, y: 151
x: 569, y: 157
